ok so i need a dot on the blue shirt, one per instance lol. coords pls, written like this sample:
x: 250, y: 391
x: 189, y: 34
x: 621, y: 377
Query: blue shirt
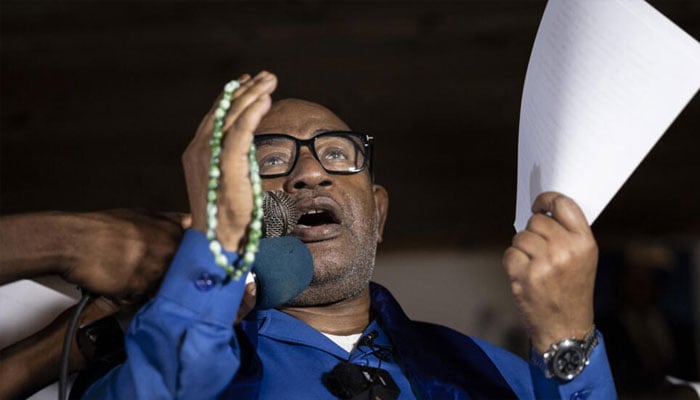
x: 182, y: 345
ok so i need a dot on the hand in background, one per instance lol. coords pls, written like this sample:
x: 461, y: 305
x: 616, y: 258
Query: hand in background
x: 30, y: 364
x: 120, y: 254
x: 125, y: 253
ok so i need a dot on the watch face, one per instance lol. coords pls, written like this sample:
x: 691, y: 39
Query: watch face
x: 568, y: 361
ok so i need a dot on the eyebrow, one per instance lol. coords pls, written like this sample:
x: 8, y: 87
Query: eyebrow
x: 315, y: 132
x: 324, y: 130
x: 261, y: 139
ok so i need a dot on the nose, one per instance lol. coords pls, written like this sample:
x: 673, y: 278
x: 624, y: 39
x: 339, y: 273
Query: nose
x: 307, y: 173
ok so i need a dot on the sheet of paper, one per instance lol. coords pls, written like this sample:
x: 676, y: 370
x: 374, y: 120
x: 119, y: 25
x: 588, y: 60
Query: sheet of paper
x: 606, y: 78
x: 28, y: 306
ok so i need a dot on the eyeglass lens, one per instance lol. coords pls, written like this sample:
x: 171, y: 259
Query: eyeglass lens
x: 336, y: 152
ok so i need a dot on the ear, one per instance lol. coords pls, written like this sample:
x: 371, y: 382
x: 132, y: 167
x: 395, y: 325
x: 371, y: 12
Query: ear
x: 381, y: 203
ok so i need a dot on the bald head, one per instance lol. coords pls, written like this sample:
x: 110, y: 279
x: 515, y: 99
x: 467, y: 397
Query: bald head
x: 295, y: 115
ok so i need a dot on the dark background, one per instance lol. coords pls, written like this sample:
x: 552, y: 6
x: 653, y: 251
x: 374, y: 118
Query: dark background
x: 100, y: 98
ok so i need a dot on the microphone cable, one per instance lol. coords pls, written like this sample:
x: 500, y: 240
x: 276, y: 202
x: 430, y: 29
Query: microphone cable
x: 67, y: 343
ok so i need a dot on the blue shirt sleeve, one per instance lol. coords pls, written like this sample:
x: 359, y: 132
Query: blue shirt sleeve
x: 594, y: 382
x: 528, y: 381
x: 185, y: 334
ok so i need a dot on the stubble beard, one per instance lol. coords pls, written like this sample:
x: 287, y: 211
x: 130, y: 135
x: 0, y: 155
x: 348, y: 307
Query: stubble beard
x: 343, y: 282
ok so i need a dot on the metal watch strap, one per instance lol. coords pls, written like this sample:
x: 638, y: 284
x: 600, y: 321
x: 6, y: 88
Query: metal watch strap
x: 581, y: 348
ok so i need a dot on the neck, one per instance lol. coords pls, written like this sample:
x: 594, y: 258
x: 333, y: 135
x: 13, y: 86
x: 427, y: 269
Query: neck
x: 342, y: 318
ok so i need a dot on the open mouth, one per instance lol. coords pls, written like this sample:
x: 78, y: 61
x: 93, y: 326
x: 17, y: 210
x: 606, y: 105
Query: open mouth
x: 321, y: 219
x: 316, y: 217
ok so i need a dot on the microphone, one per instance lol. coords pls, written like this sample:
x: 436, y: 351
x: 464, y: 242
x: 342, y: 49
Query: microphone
x: 283, y: 267
x: 348, y: 381
x: 280, y: 214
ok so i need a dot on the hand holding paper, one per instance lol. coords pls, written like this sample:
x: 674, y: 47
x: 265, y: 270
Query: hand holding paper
x: 604, y: 82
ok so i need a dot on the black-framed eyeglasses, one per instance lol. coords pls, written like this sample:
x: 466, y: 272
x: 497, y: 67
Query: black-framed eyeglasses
x: 338, y: 152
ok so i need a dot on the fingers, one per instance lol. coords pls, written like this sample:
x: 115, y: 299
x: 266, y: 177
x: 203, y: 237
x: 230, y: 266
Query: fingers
x: 545, y: 226
x: 538, y: 235
x: 249, y: 104
x: 105, y: 306
x: 239, y: 136
x: 246, y: 94
x: 530, y: 243
x: 184, y: 220
x: 242, y: 80
x: 515, y: 262
x: 563, y: 209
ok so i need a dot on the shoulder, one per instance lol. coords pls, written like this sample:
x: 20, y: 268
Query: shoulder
x: 502, y: 358
x: 513, y: 369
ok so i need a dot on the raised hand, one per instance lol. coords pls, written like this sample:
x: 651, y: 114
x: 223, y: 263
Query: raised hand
x: 235, y: 197
x: 552, y: 266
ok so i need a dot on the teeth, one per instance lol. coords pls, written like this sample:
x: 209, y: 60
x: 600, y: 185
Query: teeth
x: 314, y: 212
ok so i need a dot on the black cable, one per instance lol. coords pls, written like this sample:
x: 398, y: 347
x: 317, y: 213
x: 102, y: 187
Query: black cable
x: 67, y: 342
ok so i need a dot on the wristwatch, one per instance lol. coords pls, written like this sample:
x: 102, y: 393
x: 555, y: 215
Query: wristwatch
x: 567, y: 358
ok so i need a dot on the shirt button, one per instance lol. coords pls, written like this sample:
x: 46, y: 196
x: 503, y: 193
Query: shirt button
x: 205, y: 282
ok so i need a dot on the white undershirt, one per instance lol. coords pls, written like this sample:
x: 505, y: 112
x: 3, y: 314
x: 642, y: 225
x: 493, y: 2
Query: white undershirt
x: 346, y: 342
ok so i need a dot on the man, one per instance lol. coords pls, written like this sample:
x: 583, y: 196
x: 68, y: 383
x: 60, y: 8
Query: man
x: 182, y: 344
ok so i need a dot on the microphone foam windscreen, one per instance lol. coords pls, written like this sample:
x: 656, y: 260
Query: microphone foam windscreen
x: 284, y: 268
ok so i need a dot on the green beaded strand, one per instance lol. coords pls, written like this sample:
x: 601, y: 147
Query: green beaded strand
x: 255, y: 227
